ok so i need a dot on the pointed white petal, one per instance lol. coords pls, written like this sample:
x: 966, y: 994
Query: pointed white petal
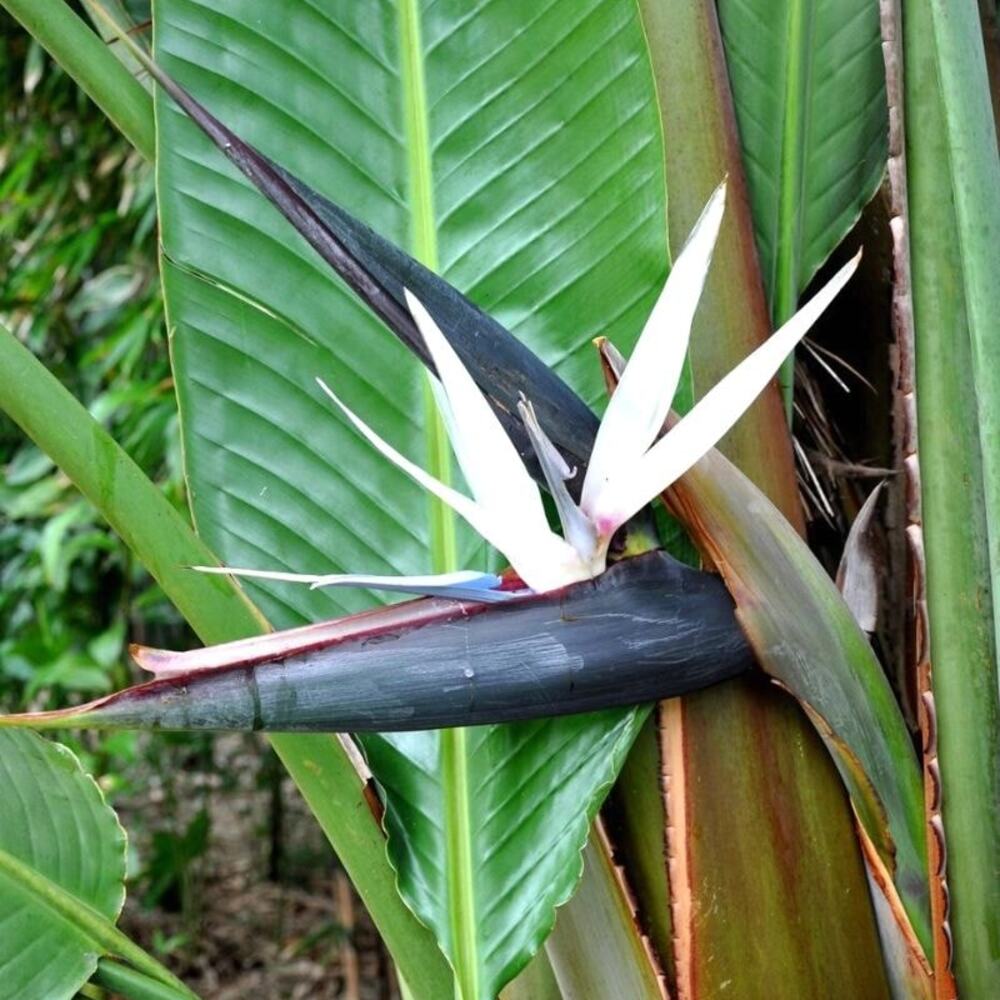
x: 474, y: 513
x: 642, y: 400
x: 259, y: 574
x: 492, y: 467
x: 713, y: 415
x: 538, y: 555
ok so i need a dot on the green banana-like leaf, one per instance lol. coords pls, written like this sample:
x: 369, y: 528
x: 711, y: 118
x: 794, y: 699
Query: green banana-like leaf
x: 532, y: 790
x: 62, y: 874
x: 809, y: 88
x: 69, y: 842
x: 516, y: 152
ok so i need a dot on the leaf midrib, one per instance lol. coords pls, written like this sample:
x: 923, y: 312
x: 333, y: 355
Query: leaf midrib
x: 424, y: 247
x: 792, y: 155
x: 444, y: 558
x: 793, y: 138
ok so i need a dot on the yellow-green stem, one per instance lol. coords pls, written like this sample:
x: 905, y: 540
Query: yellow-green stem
x: 786, y: 265
x: 444, y: 555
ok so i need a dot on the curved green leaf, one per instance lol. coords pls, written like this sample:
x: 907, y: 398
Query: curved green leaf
x: 809, y: 88
x: 532, y: 790
x: 62, y: 872
x: 56, y: 823
x: 132, y: 985
x: 516, y: 152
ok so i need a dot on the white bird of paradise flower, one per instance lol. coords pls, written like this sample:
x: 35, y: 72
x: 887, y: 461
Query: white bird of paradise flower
x: 630, y: 463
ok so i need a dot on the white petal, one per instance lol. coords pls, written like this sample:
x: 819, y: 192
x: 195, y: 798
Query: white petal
x: 642, y: 400
x: 712, y: 416
x: 492, y: 467
x: 542, y: 559
x: 474, y: 513
x: 462, y: 585
x: 259, y: 574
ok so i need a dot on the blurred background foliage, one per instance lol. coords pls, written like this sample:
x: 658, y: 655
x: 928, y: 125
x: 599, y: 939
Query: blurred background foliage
x: 211, y: 823
x: 79, y: 286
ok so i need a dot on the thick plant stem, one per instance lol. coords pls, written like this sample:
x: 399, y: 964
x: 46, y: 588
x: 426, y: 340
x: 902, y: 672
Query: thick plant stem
x: 161, y: 539
x: 71, y: 42
x: 911, y: 560
x: 805, y: 829
x: 975, y: 174
x: 951, y: 158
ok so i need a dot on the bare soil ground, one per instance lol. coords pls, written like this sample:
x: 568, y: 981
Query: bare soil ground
x: 264, y: 910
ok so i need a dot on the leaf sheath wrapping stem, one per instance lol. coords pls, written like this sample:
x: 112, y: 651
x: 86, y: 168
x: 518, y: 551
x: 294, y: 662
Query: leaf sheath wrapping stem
x: 648, y: 628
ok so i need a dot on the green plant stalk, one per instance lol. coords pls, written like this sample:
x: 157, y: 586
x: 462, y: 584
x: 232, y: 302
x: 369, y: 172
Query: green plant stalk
x: 102, y: 932
x: 975, y: 171
x: 444, y: 553
x: 132, y: 985
x: 955, y: 497
x: 536, y: 982
x: 70, y: 41
x: 162, y: 540
x: 596, y: 949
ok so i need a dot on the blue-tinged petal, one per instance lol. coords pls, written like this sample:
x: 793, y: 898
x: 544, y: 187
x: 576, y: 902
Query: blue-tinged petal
x: 464, y: 585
